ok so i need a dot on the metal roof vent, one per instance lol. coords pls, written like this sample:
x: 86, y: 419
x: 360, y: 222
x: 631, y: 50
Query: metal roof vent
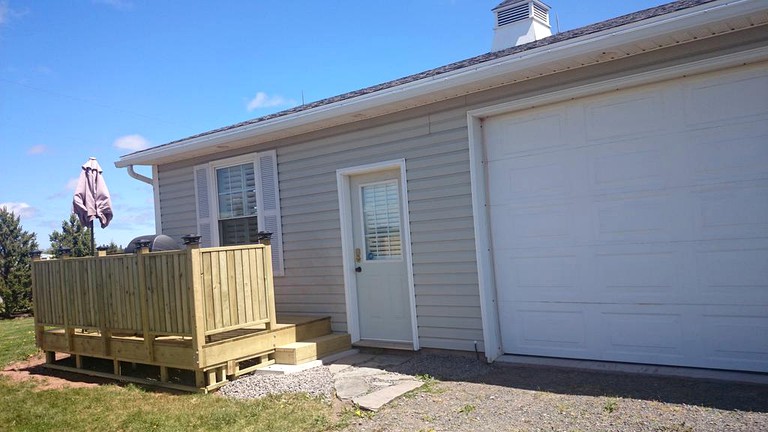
x: 519, y: 22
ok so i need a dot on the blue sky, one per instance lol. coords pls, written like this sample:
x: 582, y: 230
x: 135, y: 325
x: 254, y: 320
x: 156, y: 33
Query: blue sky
x: 103, y: 78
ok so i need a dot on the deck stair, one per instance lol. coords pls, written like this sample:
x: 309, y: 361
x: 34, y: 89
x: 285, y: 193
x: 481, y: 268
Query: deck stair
x: 312, y: 349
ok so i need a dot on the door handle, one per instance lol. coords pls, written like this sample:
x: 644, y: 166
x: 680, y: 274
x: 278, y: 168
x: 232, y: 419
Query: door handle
x: 358, y: 269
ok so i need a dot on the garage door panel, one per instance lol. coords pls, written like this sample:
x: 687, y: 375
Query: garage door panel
x: 725, y: 99
x: 642, y: 334
x: 633, y: 226
x: 733, y: 210
x: 635, y: 219
x: 533, y: 177
x: 729, y: 153
x: 558, y: 330
x: 541, y: 226
x: 545, y: 278
x: 628, y: 114
x: 628, y: 166
x: 732, y: 276
x: 738, y: 337
x: 639, y: 276
x: 528, y: 132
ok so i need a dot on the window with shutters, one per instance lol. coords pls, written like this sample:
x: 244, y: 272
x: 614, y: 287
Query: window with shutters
x: 236, y: 199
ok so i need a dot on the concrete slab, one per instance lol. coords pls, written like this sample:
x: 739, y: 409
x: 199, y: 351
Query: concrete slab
x: 350, y: 388
x: 284, y: 369
x: 681, y: 372
x: 374, y: 401
x: 359, y: 372
x: 339, y: 356
x: 354, y: 359
x: 386, y: 360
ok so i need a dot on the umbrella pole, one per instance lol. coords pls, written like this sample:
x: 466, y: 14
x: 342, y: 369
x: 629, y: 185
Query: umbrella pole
x: 93, y: 242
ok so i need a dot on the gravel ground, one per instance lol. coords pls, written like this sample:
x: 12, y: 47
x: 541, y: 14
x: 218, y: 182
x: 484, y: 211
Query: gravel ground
x: 316, y: 382
x: 470, y: 395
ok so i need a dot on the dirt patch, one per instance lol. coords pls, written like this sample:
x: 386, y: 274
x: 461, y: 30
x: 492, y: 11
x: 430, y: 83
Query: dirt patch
x: 32, y: 370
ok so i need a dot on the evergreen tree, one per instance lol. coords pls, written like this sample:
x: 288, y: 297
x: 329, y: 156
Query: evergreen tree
x: 15, y: 267
x: 74, y: 236
x: 113, y: 248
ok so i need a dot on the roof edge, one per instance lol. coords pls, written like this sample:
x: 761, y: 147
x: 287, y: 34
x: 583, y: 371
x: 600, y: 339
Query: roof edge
x: 487, y: 66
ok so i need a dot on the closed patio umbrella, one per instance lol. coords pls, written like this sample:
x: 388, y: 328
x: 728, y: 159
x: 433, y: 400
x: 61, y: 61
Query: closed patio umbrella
x: 91, y: 200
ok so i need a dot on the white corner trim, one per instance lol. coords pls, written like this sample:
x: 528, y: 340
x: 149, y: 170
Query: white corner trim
x: 347, y: 248
x: 486, y: 280
x: 156, y: 197
x: 488, y: 302
x: 343, y: 176
x: 408, y: 255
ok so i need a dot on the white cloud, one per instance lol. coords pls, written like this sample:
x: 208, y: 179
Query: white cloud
x: 7, y: 13
x: 117, y: 4
x: 4, y: 12
x: 19, y: 208
x: 36, y: 150
x: 72, y: 184
x: 262, y: 100
x: 131, y: 142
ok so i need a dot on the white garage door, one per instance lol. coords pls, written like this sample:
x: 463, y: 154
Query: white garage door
x: 633, y: 226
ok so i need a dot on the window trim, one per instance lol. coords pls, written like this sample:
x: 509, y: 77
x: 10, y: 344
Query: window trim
x: 213, y: 200
x: 213, y: 187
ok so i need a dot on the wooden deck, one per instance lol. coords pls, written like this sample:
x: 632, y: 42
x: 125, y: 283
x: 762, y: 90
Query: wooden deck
x: 188, y: 319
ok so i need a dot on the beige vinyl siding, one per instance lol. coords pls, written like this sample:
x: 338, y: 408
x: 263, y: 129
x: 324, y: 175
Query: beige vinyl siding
x: 435, y: 147
x: 177, y: 202
x: 433, y: 140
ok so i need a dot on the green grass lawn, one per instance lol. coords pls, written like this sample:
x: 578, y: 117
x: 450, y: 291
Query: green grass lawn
x: 23, y: 407
x: 17, y: 340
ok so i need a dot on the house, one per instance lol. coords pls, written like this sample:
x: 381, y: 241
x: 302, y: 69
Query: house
x: 600, y: 193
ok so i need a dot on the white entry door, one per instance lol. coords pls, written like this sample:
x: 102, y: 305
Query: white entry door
x: 380, y: 265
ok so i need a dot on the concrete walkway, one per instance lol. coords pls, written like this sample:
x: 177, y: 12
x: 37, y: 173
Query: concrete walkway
x: 360, y: 377
x: 363, y: 379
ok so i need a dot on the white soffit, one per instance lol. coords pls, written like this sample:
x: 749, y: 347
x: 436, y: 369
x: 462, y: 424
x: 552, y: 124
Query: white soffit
x: 663, y: 31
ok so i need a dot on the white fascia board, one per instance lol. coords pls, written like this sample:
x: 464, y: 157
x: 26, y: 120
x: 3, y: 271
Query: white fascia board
x: 468, y: 76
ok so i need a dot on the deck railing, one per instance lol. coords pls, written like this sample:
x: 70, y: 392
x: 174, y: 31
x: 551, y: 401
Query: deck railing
x: 190, y: 293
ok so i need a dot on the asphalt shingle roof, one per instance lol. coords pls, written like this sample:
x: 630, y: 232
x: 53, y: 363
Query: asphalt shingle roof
x: 559, y: 37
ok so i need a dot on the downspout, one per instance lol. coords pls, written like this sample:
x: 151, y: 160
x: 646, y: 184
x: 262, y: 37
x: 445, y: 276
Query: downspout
x: 139, y: 177
x: 155, y: 192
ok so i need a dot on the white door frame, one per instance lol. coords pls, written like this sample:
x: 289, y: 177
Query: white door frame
x: 477, y: 164
x: 343, y: 177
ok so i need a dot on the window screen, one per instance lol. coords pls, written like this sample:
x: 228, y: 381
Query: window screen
x: 381, y: 221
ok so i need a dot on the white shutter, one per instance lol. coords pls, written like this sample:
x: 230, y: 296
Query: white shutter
x: 205, y: 219
x: 269, y: 211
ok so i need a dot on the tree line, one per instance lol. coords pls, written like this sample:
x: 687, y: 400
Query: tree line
x: 16, y: 244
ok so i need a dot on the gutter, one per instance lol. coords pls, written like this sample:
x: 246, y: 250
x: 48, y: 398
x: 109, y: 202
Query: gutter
x: 466, y: 76
x: 138, y: 176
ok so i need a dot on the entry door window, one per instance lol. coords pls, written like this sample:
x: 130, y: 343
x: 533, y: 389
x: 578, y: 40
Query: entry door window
x: 236, y: 187
x: 381, y: 221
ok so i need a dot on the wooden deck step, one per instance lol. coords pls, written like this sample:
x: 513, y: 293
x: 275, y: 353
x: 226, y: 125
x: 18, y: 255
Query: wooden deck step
x: 312, y: 349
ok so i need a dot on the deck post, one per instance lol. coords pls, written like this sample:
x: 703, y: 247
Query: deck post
x: 98, y: 280
x: 265, y: 238
x: 142, y: 250
x: 36, y: 256
x: 270, y: 286
x: 192, y: 243
x: 69, y: 331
